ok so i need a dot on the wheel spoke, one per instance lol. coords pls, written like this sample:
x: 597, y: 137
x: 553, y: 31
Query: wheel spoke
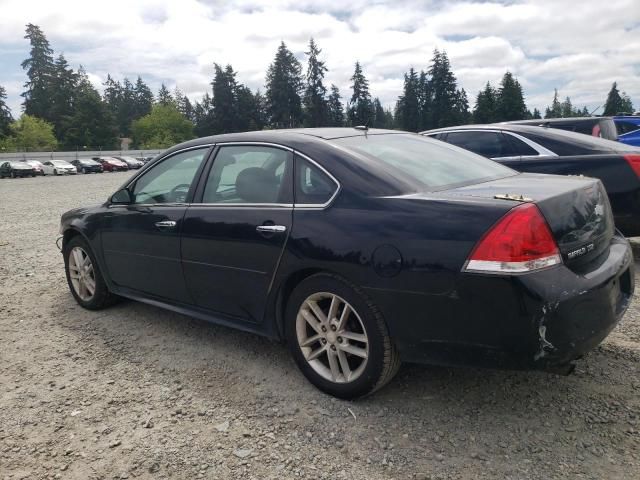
x: 90, y: 284
x: 344, y: 364
x: 333, y: 309
x: 358, y: 337
x: 353, y: 350
x: 333, y: 364
x: 77, y: 257
x: 311, y: 340
x: 344, y: 317
x: 317, y: 311
x: 311, y: 320
x: 316, y: 353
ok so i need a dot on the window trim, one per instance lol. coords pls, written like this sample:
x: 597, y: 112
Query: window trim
x: 294, y: 153
x: 315, y: 206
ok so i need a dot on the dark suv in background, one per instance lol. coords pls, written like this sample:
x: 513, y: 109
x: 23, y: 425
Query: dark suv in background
x: 603, y: 127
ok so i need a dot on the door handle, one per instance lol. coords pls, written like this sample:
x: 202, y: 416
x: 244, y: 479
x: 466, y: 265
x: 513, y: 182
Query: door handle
x: 165, y: 224
x: 271, y: 228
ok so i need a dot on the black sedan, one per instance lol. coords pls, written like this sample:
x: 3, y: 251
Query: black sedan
x: 16, y: 169
x: 86, y: 165
x: 361, y: 248
x: 546, y: 150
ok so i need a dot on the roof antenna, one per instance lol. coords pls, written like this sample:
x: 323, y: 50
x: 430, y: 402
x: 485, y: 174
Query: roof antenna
x: 364, y: 128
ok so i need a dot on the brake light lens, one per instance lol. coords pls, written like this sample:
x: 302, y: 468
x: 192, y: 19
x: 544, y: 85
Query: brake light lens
x: 634, y: 162
x: 520, y: 242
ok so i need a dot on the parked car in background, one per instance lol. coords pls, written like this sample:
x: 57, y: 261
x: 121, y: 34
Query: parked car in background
x: 361, y: 249
x: 37, y: 166
x: 111, y: 164
x: 628, y: 129
x: 86, y: 165
x: 145, y: 160
x: 131, y: 162
x: 548, y: 150
x: 603, y: 127
x: 16, y: 169
x: 58, y: 167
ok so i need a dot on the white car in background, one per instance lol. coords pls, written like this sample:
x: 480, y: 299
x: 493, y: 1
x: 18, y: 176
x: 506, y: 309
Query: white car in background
x: 37, y: 166
x: 58, y: 167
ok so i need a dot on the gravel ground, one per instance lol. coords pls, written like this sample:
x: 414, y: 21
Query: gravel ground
x: 138, y: 392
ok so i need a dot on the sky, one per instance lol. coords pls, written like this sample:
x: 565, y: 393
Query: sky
x: 579, y: 47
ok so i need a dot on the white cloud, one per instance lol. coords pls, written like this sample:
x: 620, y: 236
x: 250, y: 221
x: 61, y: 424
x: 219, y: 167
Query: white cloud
x: 578, y: 48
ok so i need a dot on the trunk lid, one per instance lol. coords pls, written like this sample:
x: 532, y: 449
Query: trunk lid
x: 576, y: 208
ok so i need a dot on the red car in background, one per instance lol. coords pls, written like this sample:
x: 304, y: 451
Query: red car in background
x: 110, y: 164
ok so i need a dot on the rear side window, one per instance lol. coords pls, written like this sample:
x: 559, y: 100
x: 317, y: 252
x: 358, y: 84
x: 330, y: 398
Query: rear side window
x: 487, y: 144
x: 520, y: 147
x: 251, y: 174
x: 424, y: 162
x: 312, y: 185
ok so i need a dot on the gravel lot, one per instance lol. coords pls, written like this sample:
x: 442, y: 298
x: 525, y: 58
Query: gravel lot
x: 138, y: 392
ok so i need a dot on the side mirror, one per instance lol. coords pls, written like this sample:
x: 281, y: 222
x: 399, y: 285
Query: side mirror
x: 122, y: 197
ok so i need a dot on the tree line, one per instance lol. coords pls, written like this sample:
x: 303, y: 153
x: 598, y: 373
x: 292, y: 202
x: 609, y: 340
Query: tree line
x: 62, y: 109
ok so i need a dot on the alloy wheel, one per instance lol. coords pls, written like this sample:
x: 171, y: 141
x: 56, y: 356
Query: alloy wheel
x: 82, y: 274
x: 332, y: 337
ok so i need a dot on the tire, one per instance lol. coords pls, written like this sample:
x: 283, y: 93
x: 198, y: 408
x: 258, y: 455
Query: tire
x: 101, y: 297
x: 13, y: 175
x: 84, y: 170
x: 55, y: 172
x: 365, y: 375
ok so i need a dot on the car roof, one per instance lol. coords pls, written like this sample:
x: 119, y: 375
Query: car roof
x: 567, y: 120
x: 288, y: 137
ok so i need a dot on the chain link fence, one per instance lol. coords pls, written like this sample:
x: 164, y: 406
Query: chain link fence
x: 74, y: 155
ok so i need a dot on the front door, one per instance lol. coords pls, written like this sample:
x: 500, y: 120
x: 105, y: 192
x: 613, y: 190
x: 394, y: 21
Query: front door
x: 234, y: 234
x: 141, y: 240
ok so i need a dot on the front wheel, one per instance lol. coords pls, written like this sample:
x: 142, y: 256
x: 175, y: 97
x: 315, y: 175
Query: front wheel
x: 84, y: 170
x: 84, y: 277
x: 55, y: 172
x: 338, y: 338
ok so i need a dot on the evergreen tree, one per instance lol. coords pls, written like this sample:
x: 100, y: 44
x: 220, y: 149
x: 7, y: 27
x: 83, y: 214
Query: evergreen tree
x: 627, y: 105
x: 225, y: 107
x: 443, y: 91
x: 40, y: 70
x: 408, y: 105
x: 486, y: 107
x: 585, y: 112
x: 283, y: 87
x: 511, y: 104
x: 555, y: 111
x: 250, y: 108
x: 360, y: 108
x: 536, y: 114
x: 383, y: 118
x: 425, y: 98
x: 64, y: 83
x: 143, y: 99
x: 614, y: 104
x: 91, y: 124
x: 183, y: 104
x: 203, y: 116
x: 461, y: 110
x: 112, y: 95
x: 316, y: 109
x: 5, y: 113
x: 335, y: 107
x: 164, y: 96
x: 126, y: 112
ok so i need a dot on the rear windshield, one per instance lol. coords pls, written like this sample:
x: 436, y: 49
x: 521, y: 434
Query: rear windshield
x: 432, y: 164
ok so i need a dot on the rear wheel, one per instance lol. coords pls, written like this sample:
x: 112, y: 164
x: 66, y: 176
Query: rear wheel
x: 13, y: 175
x: 338, y: 338
x: 84, y: 277
x: 55, y: 172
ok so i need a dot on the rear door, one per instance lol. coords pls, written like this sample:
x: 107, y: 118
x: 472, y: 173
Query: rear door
x: 235, y: 232
x: 141, y: 240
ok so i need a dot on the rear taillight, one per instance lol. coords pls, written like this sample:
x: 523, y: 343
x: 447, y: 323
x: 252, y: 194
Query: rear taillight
x: 634, y: 162
x: 520, y: 242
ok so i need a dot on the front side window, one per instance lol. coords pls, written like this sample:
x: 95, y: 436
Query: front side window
x: 312, y: 185
x: 170, y: 180
x: 249, y: 174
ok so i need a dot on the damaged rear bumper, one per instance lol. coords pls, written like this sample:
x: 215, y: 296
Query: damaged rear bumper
x: 543, y: 320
